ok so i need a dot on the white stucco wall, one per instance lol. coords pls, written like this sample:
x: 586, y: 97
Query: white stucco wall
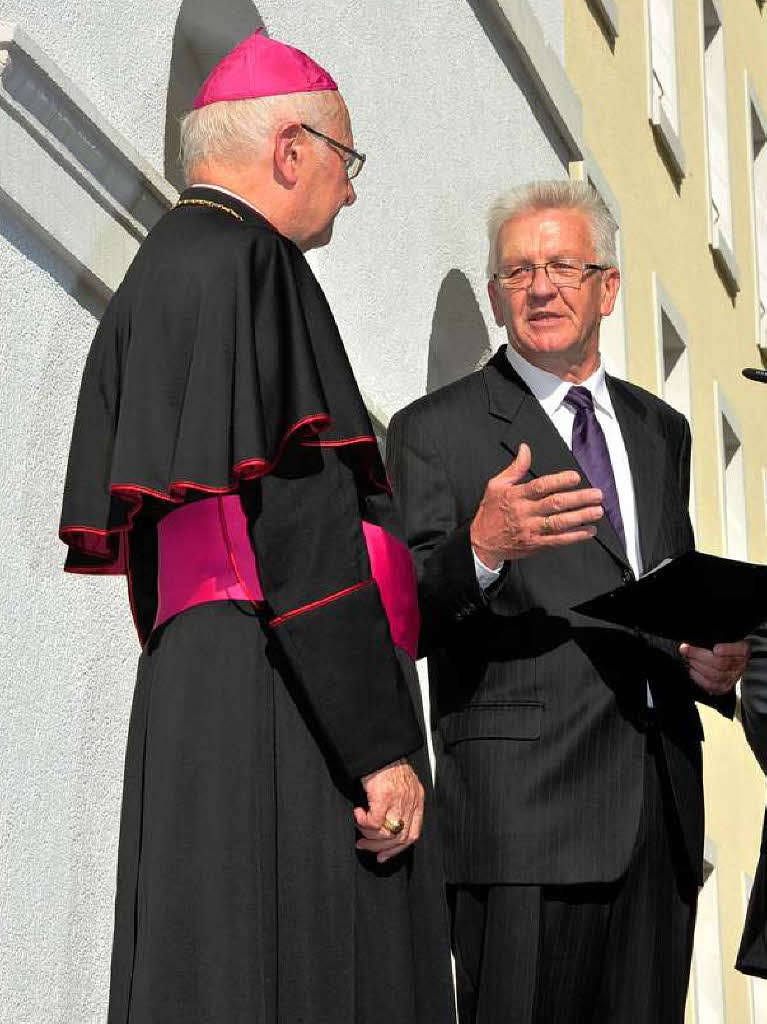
x: 66, y: 663
x: 445, y: 126
x: 445, y: 129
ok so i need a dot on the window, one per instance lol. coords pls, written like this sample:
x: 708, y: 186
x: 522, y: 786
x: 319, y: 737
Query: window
x: 731, y: 482
x: 715, y: 89
x: 664, y: 103
x: 673, y: 363
x: 612, y: 331
x: 758, y: 160
x: 663, y: 56
x: 707, y: 953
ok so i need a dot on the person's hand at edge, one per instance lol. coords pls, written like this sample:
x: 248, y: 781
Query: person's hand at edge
x: 394, y: 795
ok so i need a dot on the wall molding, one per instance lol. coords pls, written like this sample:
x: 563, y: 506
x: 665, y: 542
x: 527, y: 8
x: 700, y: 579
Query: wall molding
x: 522, y: 30
x: 67, y: 173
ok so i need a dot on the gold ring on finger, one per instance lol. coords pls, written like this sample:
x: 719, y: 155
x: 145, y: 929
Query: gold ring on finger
x: 546, y: 527
x: 393, y: 827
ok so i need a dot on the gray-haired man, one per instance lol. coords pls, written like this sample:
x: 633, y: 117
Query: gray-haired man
x: 568, y: 751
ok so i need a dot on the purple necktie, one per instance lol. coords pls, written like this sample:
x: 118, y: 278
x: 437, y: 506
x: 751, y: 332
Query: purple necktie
x: 590, y: 449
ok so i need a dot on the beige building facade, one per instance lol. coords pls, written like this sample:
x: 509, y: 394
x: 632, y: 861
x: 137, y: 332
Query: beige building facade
x: 674, y: 94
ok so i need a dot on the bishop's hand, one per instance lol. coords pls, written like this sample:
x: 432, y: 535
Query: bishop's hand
x: 393, y: 818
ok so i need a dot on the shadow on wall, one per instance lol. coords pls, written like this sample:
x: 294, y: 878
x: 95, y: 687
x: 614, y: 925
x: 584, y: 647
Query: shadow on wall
x: 205, y: 32
x: 46, y: 253
x: 459, y: 340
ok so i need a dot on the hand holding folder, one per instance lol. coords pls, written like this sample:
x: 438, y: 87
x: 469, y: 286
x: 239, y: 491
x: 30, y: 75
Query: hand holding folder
x: 695, y: 598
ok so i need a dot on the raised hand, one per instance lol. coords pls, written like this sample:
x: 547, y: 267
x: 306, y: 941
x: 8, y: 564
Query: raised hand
x: 516, y: 520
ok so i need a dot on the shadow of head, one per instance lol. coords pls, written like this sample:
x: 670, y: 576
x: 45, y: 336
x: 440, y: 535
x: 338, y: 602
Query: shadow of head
x: 459, y: 339
x: 205, y: 32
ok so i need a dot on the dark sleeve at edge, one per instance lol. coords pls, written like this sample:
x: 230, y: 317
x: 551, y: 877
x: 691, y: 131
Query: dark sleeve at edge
x: 327, y: 614
x: 754, y: 697
x: 448, y: 590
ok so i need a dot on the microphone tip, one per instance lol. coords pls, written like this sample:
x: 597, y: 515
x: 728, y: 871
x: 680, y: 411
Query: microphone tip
x: 753, y: 374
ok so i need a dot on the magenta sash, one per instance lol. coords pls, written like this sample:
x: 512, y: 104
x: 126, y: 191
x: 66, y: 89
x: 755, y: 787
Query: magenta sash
x: 205, y: 554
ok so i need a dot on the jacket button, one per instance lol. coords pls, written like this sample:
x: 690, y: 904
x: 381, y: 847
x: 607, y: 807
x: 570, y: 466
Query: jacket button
x: 628, y: 575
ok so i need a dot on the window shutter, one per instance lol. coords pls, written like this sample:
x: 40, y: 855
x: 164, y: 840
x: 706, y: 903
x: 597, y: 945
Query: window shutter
x: 760, y: 213
x: 664, y: 56
x: 718, y: 149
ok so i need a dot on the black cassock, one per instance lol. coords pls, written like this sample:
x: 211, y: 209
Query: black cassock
x: 217, y: 369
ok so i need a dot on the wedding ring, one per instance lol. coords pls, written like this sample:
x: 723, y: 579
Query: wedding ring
x: 393, y: 827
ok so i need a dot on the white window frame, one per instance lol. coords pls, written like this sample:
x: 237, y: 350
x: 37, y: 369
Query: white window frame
x: 757, y: 987
x: 722, y: 246
x: 725, y: 410
x: 664, y: 307
x: 588, y: 170
x: 665, y: 121
x: 702, y: 977
x: 755, y: 111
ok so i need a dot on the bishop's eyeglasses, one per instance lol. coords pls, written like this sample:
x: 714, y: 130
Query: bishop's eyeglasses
x: 563, y: 273
x: 351, y: 158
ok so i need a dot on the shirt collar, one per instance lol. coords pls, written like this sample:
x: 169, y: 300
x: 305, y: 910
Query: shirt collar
x: 218, y: 188
x: 551, y: 390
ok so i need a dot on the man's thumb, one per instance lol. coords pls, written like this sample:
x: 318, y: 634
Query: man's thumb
x: 517, y: 469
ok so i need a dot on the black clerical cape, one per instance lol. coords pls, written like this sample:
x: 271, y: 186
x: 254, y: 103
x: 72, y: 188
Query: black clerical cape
x: 218, y: 369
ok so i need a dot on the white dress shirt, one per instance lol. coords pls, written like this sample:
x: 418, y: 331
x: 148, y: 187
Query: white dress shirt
x: 551, y: 392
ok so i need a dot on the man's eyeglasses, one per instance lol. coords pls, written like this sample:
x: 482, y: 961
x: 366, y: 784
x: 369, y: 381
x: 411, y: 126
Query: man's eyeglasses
x: 561, y: 273
x: 352, y: 159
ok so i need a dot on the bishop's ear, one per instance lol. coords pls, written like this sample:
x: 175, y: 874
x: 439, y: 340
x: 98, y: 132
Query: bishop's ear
x: 289, y: 141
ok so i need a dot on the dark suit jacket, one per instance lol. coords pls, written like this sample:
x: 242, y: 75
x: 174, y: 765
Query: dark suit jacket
x: 752, y: 955
x: 754, y: 697
x: 539, y: 711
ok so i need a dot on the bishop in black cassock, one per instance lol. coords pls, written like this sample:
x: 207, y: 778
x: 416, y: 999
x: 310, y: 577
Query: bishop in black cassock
x: 276, y: 697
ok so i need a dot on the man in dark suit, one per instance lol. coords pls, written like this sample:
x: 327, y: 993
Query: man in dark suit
x: 752, y: 955
x: 568, y: 751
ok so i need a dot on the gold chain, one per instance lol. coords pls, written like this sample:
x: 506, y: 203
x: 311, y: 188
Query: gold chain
x: 208, y: 202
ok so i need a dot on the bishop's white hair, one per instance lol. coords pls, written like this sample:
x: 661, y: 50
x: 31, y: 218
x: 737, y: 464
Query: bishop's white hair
x: 234, y: 131
x: 554, y: 195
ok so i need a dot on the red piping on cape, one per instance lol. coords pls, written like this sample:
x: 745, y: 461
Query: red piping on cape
x: 246, y: 469
x: 338, y: 444
x: 385, y: 486
x: 322, y: 601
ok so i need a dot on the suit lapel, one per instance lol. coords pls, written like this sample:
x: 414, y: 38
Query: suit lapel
x: 646, y: 452
x: 520, y: 417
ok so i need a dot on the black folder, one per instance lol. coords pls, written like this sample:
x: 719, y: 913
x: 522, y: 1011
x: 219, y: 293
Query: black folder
x: 695, y: 598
